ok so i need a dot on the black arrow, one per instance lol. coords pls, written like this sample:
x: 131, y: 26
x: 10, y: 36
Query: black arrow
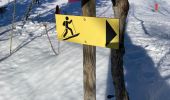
x: 110, y: 33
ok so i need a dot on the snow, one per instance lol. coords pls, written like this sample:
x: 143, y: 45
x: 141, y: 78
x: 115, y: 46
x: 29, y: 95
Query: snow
x: 147, y: 68
x: 34, y: 72
x: 4, y: 2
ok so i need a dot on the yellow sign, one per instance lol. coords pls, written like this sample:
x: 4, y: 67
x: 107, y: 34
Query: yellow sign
x: 103, y: 32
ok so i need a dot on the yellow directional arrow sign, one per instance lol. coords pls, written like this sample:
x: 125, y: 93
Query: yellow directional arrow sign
x: 103, y: 32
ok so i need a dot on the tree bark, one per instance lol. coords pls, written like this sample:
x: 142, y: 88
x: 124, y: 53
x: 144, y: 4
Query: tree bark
x: 89, y: 56
x: 121, y: 8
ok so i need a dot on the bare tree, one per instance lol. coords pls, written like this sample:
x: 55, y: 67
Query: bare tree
x: 27, y: 14
x: 121, y: 8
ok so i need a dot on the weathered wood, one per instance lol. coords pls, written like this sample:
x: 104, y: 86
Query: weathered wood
x: 89, y: 56
x: 13, y: 25
x: 121, y: 8
x: 57, y: 11
x: 89, y: 72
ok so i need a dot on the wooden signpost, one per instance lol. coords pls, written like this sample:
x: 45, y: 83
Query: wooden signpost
x: 89, y: 31
x: 89, y: 56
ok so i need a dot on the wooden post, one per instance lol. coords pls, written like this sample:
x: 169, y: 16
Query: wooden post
x: 57, y: 11
x: 121, y: 8
x: 89, y: 56
x: 13, y: 26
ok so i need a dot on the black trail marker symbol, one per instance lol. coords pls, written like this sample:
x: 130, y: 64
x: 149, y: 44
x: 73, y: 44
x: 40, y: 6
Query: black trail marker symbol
x: 110, y: 33
x: 67, y: 28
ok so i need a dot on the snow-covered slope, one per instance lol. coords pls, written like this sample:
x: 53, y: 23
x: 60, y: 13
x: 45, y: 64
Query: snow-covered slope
x: 34, y: 72
x: 4, y: 2
x: 148, y: 51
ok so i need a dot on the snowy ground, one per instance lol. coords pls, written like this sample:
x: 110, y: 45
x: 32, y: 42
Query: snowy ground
x: 4, y: 2
x: 33, y: 72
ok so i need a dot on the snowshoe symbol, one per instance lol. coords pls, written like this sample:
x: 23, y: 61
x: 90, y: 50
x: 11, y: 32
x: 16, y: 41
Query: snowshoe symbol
x: 67, y: 29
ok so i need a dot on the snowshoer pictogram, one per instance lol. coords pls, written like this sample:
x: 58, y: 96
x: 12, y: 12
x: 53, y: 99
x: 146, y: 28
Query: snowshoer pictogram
x: 67, y: 29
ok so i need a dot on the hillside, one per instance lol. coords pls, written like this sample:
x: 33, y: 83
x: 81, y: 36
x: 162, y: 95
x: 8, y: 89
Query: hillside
x: 34, y: 72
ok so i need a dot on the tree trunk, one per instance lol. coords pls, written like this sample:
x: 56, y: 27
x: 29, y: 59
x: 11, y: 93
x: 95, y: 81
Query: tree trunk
x: 89, y: 56
x: 121, y: 8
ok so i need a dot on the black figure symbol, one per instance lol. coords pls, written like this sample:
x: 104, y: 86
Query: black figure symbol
x: 66, y: 23
x: 67, y: 28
